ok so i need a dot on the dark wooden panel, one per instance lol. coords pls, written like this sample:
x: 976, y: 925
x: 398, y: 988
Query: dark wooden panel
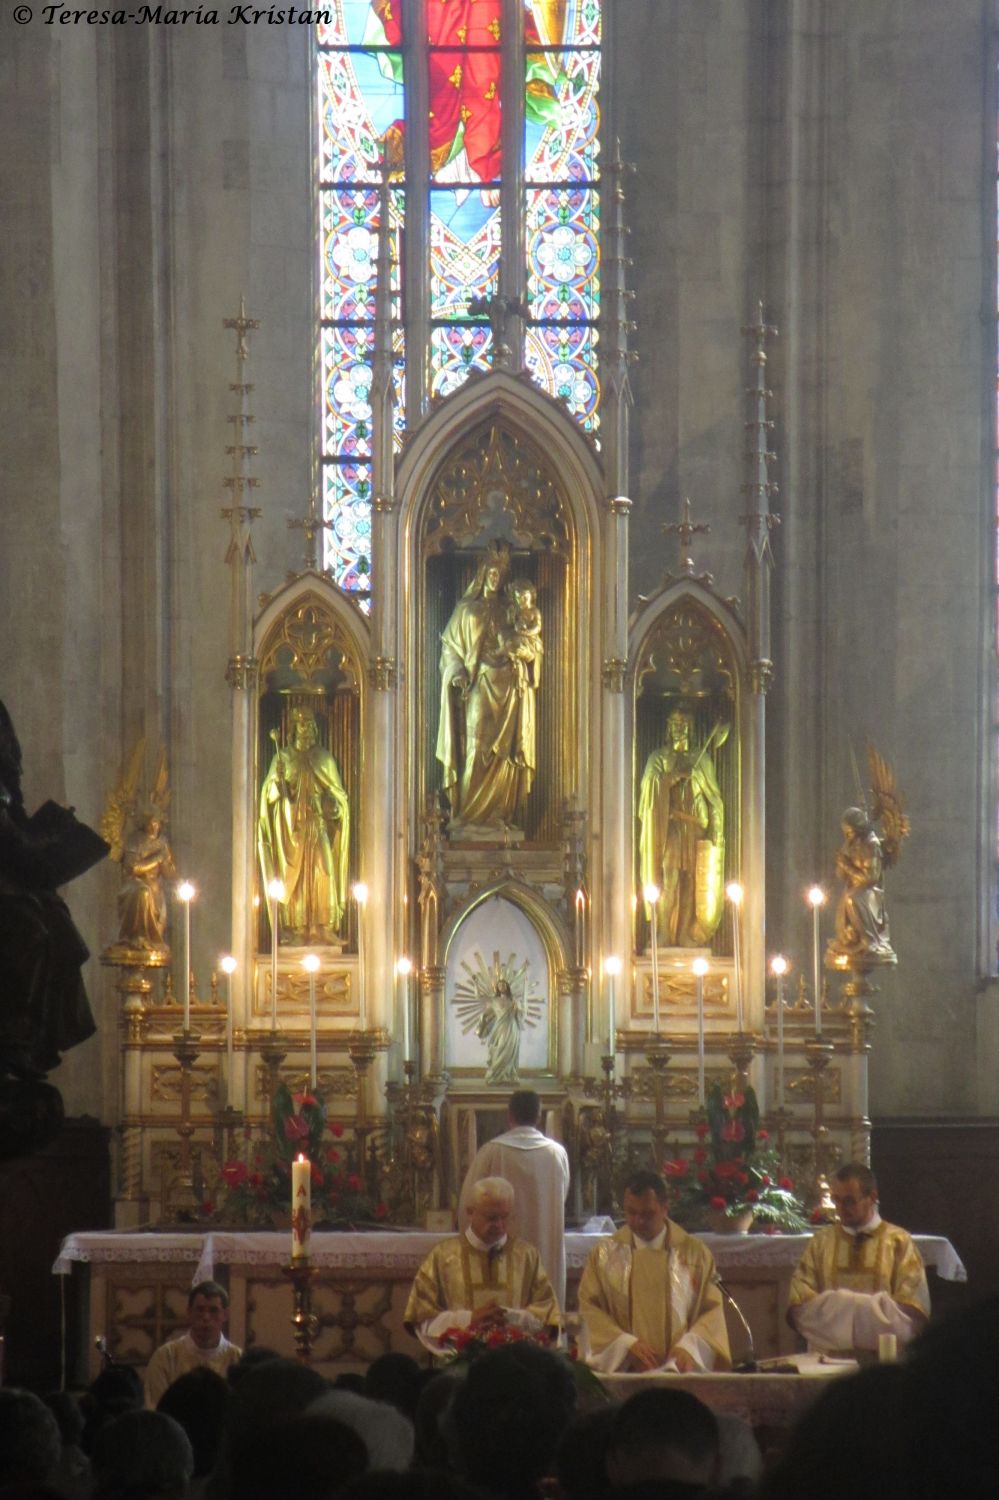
x: 65, y: 1186
x: 942, y: 1177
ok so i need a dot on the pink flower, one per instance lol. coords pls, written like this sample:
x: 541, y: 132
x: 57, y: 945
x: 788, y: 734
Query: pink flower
x: 700, y: 1130
x: 763, y: 1135
x: 765, y: 1179
x: 718, y: 1203
x: 235, y: 1173
x: 333, y: 1154
x: 208, y: 1207
x: 301, y: 1100
x: 787, y: 1184
x: 336, y: 1130
x: 734, y: 1101
x: 700, y: 1155
x: 354, y: 1183
x: 752, y: 1195
x: 675, y: 1168
x: 296, y: 1129
x: 733, y: 1131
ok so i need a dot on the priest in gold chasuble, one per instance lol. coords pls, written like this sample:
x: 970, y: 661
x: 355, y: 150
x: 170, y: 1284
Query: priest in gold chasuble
x: 859, y: 1278
x: 649, y: 1298
x: 481, y: 1279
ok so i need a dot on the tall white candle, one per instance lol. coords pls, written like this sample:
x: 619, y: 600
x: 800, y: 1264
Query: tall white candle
x: 275, y: 890
x: 651, y: 894
x: 228, y: 968
x: 734, y: 893
x: 700, y: 968
x: 580, y: 920
x: 404, y: 968
x: 301, y: 1207
x: 817, y: 898
x: 310, y: 963
x: 778, y: 967
x: 360, y: 894
x: 612, y: 968
x: 185, y: 894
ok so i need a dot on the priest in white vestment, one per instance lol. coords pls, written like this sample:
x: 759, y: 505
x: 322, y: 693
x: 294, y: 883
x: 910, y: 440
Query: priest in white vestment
x: 649, y: 1298
x: 859, y: 1278
x: 538, y: 1170
x: 204, y: 1345
x: 482, y: 1279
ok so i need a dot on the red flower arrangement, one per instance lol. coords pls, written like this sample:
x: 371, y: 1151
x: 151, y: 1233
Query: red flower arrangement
x: 259, y: 1189
x: 733, y: 1170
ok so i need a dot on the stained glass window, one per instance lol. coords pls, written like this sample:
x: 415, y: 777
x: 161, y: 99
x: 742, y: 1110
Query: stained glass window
x: 430, y: 104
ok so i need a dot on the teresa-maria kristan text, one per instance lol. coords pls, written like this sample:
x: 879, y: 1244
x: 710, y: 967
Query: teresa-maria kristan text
x: 165, y: 15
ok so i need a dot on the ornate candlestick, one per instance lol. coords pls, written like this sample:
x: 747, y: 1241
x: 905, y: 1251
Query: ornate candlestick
x: 818, y: 1054
x: 419, y: 1146
x: 599, y: 1132
x: 184, y: 1198
x: 304, y: 1322
x: 779, y: 1122
x: 658, y: 1060
x: 273, y: 1051
x: 362, y: 1048
x: 228, y: 1120
x: 741, y: 1050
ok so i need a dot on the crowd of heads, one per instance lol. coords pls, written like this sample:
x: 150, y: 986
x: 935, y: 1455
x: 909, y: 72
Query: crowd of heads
x: 511, y: 1425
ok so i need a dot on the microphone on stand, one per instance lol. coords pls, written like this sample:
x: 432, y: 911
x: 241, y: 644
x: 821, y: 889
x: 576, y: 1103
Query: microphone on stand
x: 746, y: 1366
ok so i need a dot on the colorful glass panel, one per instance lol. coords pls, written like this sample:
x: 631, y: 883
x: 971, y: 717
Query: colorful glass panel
x: 361, y: 99
x: 561, y: 116
x: 464, y: 251
x: 454, y: 352
x: 563, y: 361
x: 563, y: 254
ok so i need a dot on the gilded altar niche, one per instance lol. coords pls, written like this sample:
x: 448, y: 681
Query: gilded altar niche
x: 686, y: 781
x: 499, y: 622
x: 308, y: 779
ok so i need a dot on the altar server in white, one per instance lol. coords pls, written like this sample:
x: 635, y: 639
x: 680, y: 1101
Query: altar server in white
x: 538, y: 1170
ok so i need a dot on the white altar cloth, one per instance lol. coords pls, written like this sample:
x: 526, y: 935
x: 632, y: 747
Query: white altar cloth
x: 403, y: 1253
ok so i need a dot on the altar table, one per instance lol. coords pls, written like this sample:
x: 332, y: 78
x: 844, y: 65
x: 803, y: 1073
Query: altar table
x: 138, y: 1285
x: 764, y: 1399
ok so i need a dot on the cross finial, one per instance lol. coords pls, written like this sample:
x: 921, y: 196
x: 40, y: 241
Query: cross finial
x: 311, y: 525
x: 685, y: 530
x: 242, y: 325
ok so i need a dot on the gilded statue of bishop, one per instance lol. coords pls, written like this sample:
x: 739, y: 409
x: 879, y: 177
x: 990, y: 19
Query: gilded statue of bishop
x: 304, y: 834
x: 682, y: 834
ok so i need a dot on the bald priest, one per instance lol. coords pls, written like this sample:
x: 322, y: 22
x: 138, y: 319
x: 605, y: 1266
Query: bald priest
x: 482, y: 1279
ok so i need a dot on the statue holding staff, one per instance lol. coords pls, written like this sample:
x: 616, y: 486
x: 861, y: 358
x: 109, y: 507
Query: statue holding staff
x: 682, y: 834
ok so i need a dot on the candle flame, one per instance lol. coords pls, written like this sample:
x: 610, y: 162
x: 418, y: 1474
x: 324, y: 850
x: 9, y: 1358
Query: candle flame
x: 612, y: 964
x: 779, y: 964
x: 186, y: 891
x: 651, y: 894
x: 816, y: 895
x: 734, y: 892
x: 228, y: 964
x: 404, y: 966
x: 310, y: 963
x: 700, y: 967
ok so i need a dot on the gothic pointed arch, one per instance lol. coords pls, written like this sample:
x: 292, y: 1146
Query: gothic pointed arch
x: 311, y: 645
x: 499, y: 465
x: 688, y: 697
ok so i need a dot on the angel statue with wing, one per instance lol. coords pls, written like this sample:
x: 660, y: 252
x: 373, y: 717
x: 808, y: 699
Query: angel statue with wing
x: 497, y: 1004
x: 146, y: 861
x: 862, y: 940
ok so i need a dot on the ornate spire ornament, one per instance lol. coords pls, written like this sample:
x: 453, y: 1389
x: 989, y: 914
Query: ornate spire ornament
x: 685, y: 530
x: 239, y: 555
x: 759, y: 520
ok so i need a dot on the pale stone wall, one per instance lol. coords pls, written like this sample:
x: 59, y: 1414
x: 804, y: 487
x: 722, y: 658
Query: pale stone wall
x: 831, y: 157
